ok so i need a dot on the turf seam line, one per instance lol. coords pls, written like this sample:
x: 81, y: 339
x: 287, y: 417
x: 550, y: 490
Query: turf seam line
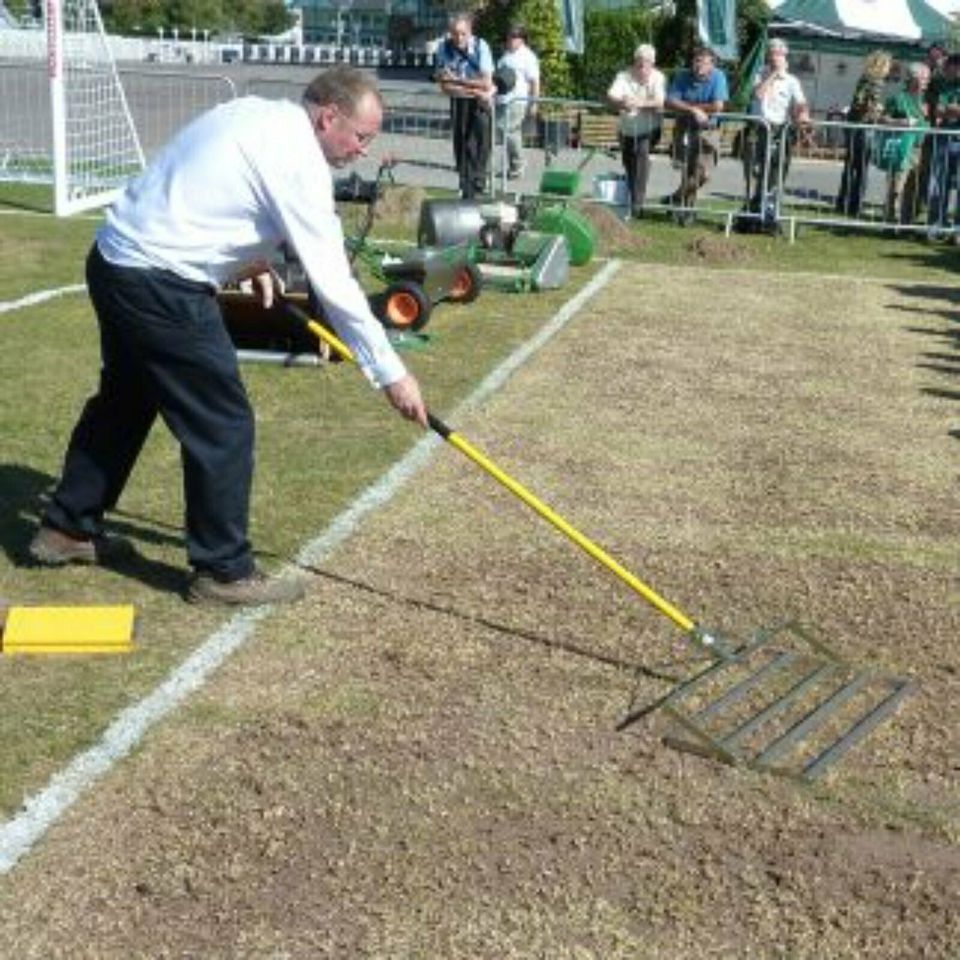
x: 41, y: 810
x: 41, y: 296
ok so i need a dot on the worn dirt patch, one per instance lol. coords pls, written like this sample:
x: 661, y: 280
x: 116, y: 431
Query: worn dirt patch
x: 712, y: 249
x: 424, y: 759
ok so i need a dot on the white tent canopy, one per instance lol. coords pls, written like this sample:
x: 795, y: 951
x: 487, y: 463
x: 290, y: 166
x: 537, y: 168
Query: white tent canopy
x: 909, y: 20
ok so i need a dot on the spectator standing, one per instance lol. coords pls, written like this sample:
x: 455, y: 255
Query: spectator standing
x: 465, y: 73
x: 221, y: 198
x: 694, y: 96
x: 778, y: 100
x: 936, y: 60
x: 638, y: 93
x: 866, y: 107
x: 898, y: 154
x: 520, y: 102
x: 945, y: 148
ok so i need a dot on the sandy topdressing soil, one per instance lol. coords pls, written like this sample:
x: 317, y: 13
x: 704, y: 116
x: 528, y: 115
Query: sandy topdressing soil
x: 423, y: 759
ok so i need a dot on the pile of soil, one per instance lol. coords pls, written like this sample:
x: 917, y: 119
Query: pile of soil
x: 717, y: 249
x: 401, y: 206
x: 613, y: 235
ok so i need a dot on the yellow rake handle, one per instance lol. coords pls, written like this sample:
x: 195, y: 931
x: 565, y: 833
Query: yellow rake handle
x: 551, y: 516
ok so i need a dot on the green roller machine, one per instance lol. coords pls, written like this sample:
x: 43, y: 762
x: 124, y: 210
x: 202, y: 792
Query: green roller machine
x: 525, y: 246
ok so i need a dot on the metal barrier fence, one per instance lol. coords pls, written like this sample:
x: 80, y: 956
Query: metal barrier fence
x: 689, y: 174
x: 26, y: 130
x: 416, y: 130
x: 163, y: 101
x: 828, y: 173
x: 884, y: 177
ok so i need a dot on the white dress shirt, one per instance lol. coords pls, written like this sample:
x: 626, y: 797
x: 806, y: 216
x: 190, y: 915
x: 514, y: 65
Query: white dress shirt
x: 781, y: 97
x: 225, y: 193
x: 526, y: 65
x: 625, y: 85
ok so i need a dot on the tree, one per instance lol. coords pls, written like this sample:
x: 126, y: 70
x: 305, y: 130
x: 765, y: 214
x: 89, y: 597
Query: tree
x: 18, y: 9
x: 610, y: 37
x: 544, y: 35
x: 135, y: 16
x: 202, y: 14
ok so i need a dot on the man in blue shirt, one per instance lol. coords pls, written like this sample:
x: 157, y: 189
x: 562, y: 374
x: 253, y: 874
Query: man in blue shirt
x: 465, y: 72
x: 693, y: 97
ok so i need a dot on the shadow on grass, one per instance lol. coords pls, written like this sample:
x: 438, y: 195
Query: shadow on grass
x: 23, y: 493
x: 548, y: 643
x: 931, y: 256
x: 25, y: 206
x: 929, y: 291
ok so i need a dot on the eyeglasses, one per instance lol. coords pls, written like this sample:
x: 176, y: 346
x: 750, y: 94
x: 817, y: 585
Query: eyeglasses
x: 364, y: 139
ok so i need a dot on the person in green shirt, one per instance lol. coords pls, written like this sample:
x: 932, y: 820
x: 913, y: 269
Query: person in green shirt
x: 898, y: 152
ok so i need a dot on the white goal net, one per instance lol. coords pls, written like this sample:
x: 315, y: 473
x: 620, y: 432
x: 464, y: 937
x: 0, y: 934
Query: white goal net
x: 95, y: 144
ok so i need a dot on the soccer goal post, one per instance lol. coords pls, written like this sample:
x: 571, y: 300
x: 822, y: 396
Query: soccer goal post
x: 95, y: 144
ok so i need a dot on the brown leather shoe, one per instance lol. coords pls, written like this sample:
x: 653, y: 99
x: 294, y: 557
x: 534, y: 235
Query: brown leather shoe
x: 54, y: 548
x: 257, y: 588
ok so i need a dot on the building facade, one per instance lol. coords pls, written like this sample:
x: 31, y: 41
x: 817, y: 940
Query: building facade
x: 394, y: 24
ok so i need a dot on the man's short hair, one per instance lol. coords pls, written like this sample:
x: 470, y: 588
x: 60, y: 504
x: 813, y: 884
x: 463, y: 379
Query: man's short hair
x: 917, y: 69
x: 341, y: 86
x: 646, y: 51
x: 517, y: 30
x: 460, y: 16
x: 778, y: 45
x: 704, y: 52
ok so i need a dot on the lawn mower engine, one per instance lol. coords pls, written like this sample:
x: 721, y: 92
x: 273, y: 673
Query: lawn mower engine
x: 518, y: 246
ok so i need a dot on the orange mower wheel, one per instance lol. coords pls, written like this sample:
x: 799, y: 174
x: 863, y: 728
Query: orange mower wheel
x: 403, y: 306
x: 466, y: 284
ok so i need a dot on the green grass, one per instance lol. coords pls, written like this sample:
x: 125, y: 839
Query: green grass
x: 816, y: 250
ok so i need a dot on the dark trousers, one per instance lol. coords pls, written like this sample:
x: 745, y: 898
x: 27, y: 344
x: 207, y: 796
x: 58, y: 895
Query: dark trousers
x: 755, y: 159
x: 165, y: 351
x: 856, y: 169
x: 943, y: 179
x: 635, y: 151
x: 470, y: 120
x: 696, y: 151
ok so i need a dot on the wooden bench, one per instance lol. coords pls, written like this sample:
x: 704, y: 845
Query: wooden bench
x: 598, y: 131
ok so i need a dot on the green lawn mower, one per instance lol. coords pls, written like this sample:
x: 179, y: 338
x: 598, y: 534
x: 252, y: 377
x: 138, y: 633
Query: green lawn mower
x: 529, y: 245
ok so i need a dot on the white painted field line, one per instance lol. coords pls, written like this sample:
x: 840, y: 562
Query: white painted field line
x: 41, y: 296
x: 43, y: 809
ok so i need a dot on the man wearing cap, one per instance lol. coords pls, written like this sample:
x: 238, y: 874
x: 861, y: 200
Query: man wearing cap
x: 213, y: 207
x: 464, y: 71
x: 695, y: 96
x: 520, y: 101
x: 638, y: 94
x: 779, y: 102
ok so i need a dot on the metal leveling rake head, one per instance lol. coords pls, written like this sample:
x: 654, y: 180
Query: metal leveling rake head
x: 762, y: 703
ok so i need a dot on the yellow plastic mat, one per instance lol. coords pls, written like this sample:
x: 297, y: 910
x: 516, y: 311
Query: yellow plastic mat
x: 94, y: 629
